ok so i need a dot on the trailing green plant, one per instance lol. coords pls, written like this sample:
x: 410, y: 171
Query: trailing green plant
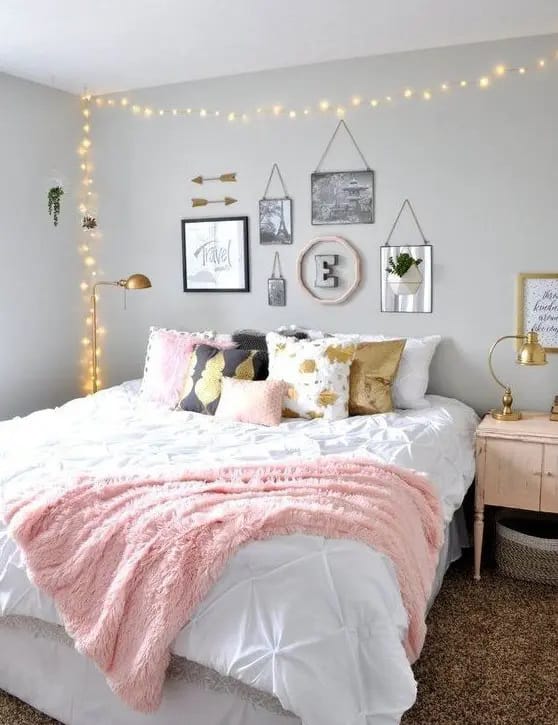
x: 54, y: 196
x: 402, y: 264
x: 88, y: 222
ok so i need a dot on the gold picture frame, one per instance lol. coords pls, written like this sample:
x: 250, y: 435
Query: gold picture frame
x: 544, y: 288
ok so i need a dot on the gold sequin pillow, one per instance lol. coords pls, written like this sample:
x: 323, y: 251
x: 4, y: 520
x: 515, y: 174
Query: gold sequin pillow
x: 317, y: 374
x: 208, y: 366
x: 372, y: 374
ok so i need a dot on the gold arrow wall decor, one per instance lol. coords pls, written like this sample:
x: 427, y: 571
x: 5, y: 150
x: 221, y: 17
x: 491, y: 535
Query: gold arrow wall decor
x: 223, y: 177
x: 227, y: 201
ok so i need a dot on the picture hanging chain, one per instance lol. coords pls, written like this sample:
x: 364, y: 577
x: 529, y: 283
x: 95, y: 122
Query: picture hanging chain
x: 332, y: 139
x: 276, y: 271
x: 275, y: 169
x: 406, y: 203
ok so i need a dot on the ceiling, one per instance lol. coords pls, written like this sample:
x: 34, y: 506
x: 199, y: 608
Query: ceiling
x: 112, y: 45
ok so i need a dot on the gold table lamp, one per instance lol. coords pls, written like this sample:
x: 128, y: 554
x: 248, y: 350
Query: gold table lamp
x: 531, y: 352
x: 134, y: 281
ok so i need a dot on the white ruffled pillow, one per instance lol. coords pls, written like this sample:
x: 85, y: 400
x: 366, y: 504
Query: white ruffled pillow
x: 411, y: 382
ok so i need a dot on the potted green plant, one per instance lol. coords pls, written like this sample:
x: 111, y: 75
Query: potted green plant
x: 88, y: 222
x: 404, y: 275
x: 55, y: 193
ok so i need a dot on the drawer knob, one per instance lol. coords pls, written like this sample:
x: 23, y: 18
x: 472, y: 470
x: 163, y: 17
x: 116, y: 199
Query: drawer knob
x: 549, y: 473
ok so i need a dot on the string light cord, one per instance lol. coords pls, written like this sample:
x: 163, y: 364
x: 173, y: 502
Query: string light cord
x: 324, y: 106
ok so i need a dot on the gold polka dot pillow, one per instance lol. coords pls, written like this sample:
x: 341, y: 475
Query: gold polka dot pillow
x: 316, y: 373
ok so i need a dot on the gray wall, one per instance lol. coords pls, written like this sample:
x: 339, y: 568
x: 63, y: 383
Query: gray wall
x: 479, y: 166
x: 39, y: 265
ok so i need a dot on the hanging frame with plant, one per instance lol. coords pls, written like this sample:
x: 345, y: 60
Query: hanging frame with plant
x: 55, y: 194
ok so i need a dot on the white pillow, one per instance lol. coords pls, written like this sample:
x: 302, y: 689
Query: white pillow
x: 413, y: 375
x: 316, y: 373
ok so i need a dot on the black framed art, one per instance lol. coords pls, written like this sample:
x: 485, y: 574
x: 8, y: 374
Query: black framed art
x: 215, y: 254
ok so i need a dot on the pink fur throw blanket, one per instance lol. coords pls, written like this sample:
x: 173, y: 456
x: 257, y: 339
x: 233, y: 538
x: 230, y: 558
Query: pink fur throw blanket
x: 127, y: 561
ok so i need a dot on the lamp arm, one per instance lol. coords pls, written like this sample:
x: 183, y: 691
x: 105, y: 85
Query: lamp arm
x: 505, y: 337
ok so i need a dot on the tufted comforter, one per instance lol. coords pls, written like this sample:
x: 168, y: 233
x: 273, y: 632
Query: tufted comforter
x: 317, y: 622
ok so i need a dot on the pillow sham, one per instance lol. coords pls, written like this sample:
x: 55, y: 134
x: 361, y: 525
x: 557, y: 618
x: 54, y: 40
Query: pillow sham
x: 251, y: 401
x: 317, y: 374
x: 411, y: 382
x: 208, y: 366
x: 372, y: 375
x: 166, y: 362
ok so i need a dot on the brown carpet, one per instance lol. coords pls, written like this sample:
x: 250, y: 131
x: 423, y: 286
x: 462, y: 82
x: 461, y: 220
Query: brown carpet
x: 491, y: 657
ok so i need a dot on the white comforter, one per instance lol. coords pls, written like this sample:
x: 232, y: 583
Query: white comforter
x: 318, y: 623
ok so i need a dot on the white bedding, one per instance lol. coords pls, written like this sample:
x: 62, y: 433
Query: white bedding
x: 317, y: 623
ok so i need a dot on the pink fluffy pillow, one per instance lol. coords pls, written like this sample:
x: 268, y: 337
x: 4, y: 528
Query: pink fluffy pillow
x: 166, y: 362
x: 251, y: 401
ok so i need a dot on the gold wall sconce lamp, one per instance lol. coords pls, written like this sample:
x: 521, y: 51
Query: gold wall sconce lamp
x: 530, y: 353
x: 134, y: 282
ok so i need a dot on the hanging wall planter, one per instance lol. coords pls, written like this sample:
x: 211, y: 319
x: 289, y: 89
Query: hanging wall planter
x: 55, y: 194
x: 404, y: 275
x: 406, y: 270
x: 88, y: 222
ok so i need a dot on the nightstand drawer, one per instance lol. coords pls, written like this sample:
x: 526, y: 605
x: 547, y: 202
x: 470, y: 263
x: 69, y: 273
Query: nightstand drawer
x: 549, y: 486
x: 513, y: 474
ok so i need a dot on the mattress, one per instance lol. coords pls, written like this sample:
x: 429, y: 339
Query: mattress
x: 316, y: 623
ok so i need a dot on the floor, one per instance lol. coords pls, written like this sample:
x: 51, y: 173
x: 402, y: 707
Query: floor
x: 490, y: 658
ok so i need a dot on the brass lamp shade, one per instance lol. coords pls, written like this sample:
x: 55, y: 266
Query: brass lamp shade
x: 531, y: 352
x: 137, y: 281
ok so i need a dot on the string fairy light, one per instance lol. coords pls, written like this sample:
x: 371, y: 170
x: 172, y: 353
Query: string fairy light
x: 88, y: 235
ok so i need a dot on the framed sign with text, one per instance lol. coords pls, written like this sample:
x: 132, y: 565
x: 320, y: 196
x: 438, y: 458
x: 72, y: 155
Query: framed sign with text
x: 537, y: 307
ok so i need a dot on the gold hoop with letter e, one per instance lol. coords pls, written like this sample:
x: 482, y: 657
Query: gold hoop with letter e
x: 333, y: 273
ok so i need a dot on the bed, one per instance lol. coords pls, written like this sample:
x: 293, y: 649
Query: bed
x: 298, y: 629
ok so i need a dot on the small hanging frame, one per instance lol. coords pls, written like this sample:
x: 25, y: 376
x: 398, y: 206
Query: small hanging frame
x: 343, y: 197
x: 406, y: 271
x: 276, y: 214
x: 276, y: 285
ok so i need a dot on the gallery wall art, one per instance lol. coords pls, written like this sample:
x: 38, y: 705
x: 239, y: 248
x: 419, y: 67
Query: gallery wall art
x: 215, y: 254
x: 343, y: 197
x: 329, y: 269
x: 406, y: 271
x: 275, y: 214
x: 537, y: 307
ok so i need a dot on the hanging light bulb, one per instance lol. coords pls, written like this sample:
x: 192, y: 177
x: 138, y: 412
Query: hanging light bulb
x: 324, y: 105
x: 500, y: 70
x: 484, y: 82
